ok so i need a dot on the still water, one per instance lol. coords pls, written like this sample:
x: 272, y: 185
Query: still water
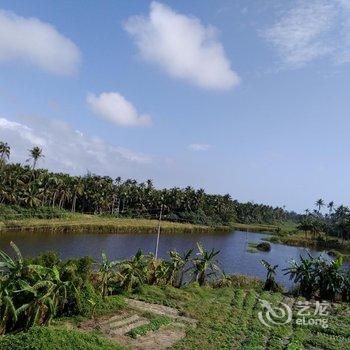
x: 233, y: 257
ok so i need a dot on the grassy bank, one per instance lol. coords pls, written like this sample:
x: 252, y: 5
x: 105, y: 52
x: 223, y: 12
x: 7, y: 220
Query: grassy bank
x: 320, y: 242
x: 52, y: 219
x: 51, y: 338
x: 96, y: 223
x: 267, y: 228
x: 227, y: 319
x: 288, y: 234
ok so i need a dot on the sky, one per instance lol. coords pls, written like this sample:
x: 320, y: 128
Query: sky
x: 244, y: 97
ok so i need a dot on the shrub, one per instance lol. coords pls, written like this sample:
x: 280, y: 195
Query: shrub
x: 264, y: 246
x: 316, y: 277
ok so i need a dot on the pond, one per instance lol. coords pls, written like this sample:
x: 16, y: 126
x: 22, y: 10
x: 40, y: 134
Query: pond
x: 233, y: 246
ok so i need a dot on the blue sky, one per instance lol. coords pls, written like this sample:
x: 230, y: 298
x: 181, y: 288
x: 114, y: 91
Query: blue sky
x: 245, y: 97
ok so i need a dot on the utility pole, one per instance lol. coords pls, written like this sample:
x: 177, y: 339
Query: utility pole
x: 158, y: 232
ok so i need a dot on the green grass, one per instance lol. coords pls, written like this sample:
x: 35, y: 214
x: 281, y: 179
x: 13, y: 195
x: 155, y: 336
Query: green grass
x: 50, y: 338
x: 227, y: 319
x: 252, y: 247
x: 263, y: 228
x: 53, y: 219
x: 321, y: 242
x: 95, y: 223
x: 155, y: 323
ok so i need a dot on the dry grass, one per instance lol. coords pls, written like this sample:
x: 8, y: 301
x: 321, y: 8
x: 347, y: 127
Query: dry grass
x: 95, y: 223
x: 255, y: 227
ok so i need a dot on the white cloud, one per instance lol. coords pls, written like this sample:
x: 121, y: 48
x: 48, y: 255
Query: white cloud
x: 69, y: 150
x: 23, y: 131
x: 311, y: 30
x: 36, y: 43
x: 114, y: 108
x: 199, y: 146
x: 183, y: 47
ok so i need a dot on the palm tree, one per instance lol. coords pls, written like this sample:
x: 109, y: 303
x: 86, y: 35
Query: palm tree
x: 330, y: 206
x: 28, y: 186
x: 4, y: 151
x: 35, y: 154
x: 319, y: 204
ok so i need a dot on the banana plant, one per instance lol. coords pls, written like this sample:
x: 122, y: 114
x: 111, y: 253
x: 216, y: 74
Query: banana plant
x: 178, y: 263
x: 134, y: 272
x: 270, y: 283
x: 303, y: 275
x: 107, y: 269
x: 204, y: 264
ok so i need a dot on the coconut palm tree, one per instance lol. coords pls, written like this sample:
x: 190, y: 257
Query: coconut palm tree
x: 101, y: 194
x: 4, y: 151
x: 35, y: 154
x: 319, y: 204
x: 330, y: 206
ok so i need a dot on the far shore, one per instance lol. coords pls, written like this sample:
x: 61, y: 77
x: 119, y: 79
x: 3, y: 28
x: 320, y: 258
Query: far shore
x: 95, y: 223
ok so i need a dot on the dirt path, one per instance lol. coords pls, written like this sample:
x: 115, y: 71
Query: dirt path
x: 116, y: 326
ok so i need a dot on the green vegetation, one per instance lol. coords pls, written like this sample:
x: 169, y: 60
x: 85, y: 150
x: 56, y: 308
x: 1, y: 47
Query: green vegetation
x: 204, y: 264
x: 75, y: 222
x: 34, y: 291
x: 270, y: 283
x: 155, y: 323
x: 320, y: 241
x: 334, y: 223
x: 50, y: 338
x: 264, y: 246
x: 264, y: 228
x: 48, y: 291
x: 30, y: 187
x: 254, y: 247
x: 315, y: 277
x: 227, y: 319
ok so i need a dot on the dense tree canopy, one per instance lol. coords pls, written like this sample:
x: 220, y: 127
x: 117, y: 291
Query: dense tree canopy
x: 32, y: 187
x: 335, y: 222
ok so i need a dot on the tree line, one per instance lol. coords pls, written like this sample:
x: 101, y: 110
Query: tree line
x: 335, y: 221
x: 30, y: 187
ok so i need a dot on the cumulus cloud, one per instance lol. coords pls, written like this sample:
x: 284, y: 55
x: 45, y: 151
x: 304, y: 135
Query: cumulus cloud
x: 70, y: 150
x: 183, y: 47
x: 199, y: 146
x: 37, y: 43
x: 312, y: 30
x: 114, y: 108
